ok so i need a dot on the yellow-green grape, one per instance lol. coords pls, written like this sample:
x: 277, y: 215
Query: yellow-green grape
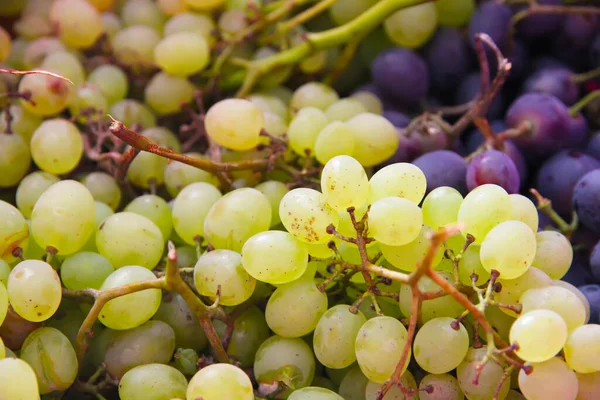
x: 288, y: 360
x: 132, y: 112
x: 379, y: 345
x: 239, y: 133
x: 533, y: 325
x: 231, y: 22
x: 152, y: 382
x: 88, y: 102
x: 163, y: 137
x: 407, y: 257
x: 85, y: 270
x: 102, y: 211
x: 454, y: 13
x: 250, y: 330
x: 353, y: 383
x: 276, y: 75
x: 346, y: 11
x: 204, y: 5
x: 441, y: 206
x: 17, y: 380
x: 552, y: 379
x: 395, y: 393
x: 470, y: 264
x: 524, y: 210
x: 134, y: 46
x: 3, y: 299
x: 320, y: 250
x: 500, y: 322
x: 395, y: 221
x: 274, y: 191
x: 445, y: 387
x: 165, y: 93
x: 111, y: 81
x: 270, y: 103
x: 56, y: 146
x: 23, y: 123
x: 147, y: 169
x: 236, y: 217
x: 63, y: 217
x: 438, y: 347
x: 154, y: 208
x: 334, y: 140
x: 78, y: 23
x: 32, y: 250
x: 582, y: 349
x: 369, y: 101
x: 486, y: 386
x: 375, y: 138
x: 132, y: 309
x: 286, y: 265
x: 513, y: 289
x: 560, y: 300
x: 413, y: 26
x: 554, y: 253
x: 304, y: 130
x: 274, y: 125
x: 49, y: 95
x: 143, y: 12
x: 182, y: 54
x: 576, y: 292
x: 306, y: 215
x: 344, y: 109
x: 220, y: 381
x: 313, y: 94
x: 344, y: 183
x: 190, y: 208
x: 179, y: 175
x: 14, y: 231
x: 38, y: 49
x: 513, y: 235
x: 15, y: 159
x: 314, y: 393
x: 4, y: 272
x: 104, y: 188
x: 52, y: 357
x: 65, y: 64
x: 401, y: 180
x: 34, y: 290
x: 188, y: 333
x: 188, y: 21
x: 127, y: 238
x: 483, y: 208
x: 111, y: 24
x: 589, y: 386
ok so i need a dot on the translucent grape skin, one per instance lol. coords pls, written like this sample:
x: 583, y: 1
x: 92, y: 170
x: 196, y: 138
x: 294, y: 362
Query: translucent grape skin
x: 165, y: 93
x: 445, y: 387
x: 85, y: 270
x: 179, y: 175
x: 190, y: 209
x: 395, y: 221
x: 313, y: 94
x: 441, y: 206
x: 240, y: 133
x: 335, y: 139
x: 34, y: 290
x: 78, y: 22
x: 111, y: 81
x: 56, y: 146
x: 412, y: 27
x: 274, y: 192
x: 581, y: 349
x: 152, y: 382
x: 344, y: 183
x: 250, y: 330
x: 589, y: 385
x: 154, y: 208
x: 104, y: 188
x: 395, y: 393
x: 527, y: 330
x: 400, y: 179
x: 550, y: 379
x: 304, y: 130
x: 17, y: 380
x: 134, y: 47
x: 14, y: 231
x: 31, y: 188
x: 512, y: 289
x: 483, y: 208
x: 220, y: 381
x: 438, y: 347
x: 560, y: 300
x: 524, y: 210
x: 554, y: 253
x: 408, y: 256
x: 176, y: 312
x: 15, y: 159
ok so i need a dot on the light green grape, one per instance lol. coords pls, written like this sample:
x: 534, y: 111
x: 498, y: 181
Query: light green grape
x: 178, y: 175
x: 102, y: 211
x: 412, y: 27
x: 111, y: 24
x: 111, y: 81
x: 344, y: 183
x: 576, y: 292
x: 513, y: 289
x: 131, y: 112
x: 38, y: 49
x: 190, y: 208
x: 489, y: 377
x: 147, y: 169
x: 395, y: 393
x: 23, y: 123
x: 166, y: 93
x: 14, y: 231
x: 104, y: 188
x: 188, y: 21
x: 17, y: 380
x: 52, y: 357
x: 470, y: 264
x: 582, y: 347
x: 65, y: 64
x: 334, y: 140
x: 275, y: 125
x: 454, y: 13
x: 143, y: 12
x: 313, y: 94
x: 188, y: 332
x: 220, y: 381
x: 34, y: 290
x: 4, y: 272
x: 63, y: 217
x: 483, y: 208
x: 127, y: 238
x: 232, y: 21
x: 78, y: 23
x: 154, y: 208
x: 152, y: 382
x: 49, y: 95
x: 407, y: 257
x: 85, y: 270
x: 134, y: 46
x: 395, y: 221
x: 369, y: 101
x: 88, y: 101
x: 314, y: 393
x: 554, y: 253
x: 182, y: 53
x: 344, y: 109
x: 445, y: 387
x: 270, y: 103
x: 589, y: 385
x: 353, y: 384
x: 533, y: 325
x: 274, y: 191
x: 239, y: 133
x: 438, y: 347
x: 15, y: 159
x: 250, y: 330
x: 304, y: 130
x: 441, y: 206
x: 524, y: 210
x: 513, y: 235
x: 549, y: 379
x: 401, y: 180
x: 560, y: 300
x: 375, y: 138
x: 130, y: 310
x: 56, y: 146
x: 346, y: 11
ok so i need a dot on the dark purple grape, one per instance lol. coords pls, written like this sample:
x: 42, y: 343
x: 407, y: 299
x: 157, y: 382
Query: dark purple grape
x: 495, y: 167
x: 586, y: 200
x: 401, y: 75
x: 593, y: 146
x: 448, y: 58
x: 592, y: 294
x: 572, y: 43
x: 492, y: 18
x: 375, y: 43
x: 555, y: 81
x: 443, y: 168
x: 546, y: 62
x: 398, y: 119
x: 470, y: 87
x: 595, y: 262
x: 538, y: 25
x: 579, y: 273
x: 578, y: 132
x: 558, y: 175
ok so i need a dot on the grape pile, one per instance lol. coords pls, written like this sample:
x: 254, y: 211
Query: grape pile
x: 299, y: 199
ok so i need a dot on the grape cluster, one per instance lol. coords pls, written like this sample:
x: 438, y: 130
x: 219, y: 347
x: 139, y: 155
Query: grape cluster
x: 382, y: 199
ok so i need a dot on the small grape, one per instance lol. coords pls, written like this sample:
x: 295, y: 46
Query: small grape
x: 85, y: 270
x: 34, y: 290
x: 483, y: 208
x: 14, y: 231
x: 512, y: 289
x: 17, y: 380
x: 142, y: 12
x: 334, y: 140
x: 152, y: 382
x: 165, y: 93
x: 250, y: 330
x: 313, y: 94
x: 344, y: 183
x: 413, y: 26
x: 188, y: 21
x: 490, y: 375
x: 240, y: 133
x: 104, y: 188
x: 182, y: 54
x: 56, y: 146
x: 274, y: 191
x: 395, y: 393
x: 304, y: 130
x: 49, y: 95
x: 314, y: 393
x: 15, y: 159
x: 524, y: 210
x: 78, y: 23
x: 344, y: 109
x: 400, y: 179
x: 560, y: 300
x: 445, y: 387
x: 438, y: 347
x: 154, y: 208
x: 111, y: 81
x: 395, y: 221
x: 220, y: 381
x: 175, y: 312
x: 554, y: 253
x: 134, y: 46
x: 190, y: 208
x: 371, y: 102
x: 407, y: 257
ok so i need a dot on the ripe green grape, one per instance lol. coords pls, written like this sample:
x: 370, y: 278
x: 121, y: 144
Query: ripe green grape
x: 401, y: 180
x: 304, y: 130
x: 104, y: 188
x: 131, y: 112
x: 232, y: 21
x: 353, y: 384
x: 445, y: 387
x: 576, y: 292
x: 182, y: 53
x: 188, y: 21
x: 395, y: 221
x: 63, y: 217
x: 240, y: 133
x: 489, y: 376
x: 111, y: 81
x: 313, y: 94
x: 190, y: 208
x: 274, y: 191
x: 14, y: 231
x: 220, y: 381
x: 142, y: 12
x: 549, y: 379
x: 441, y: 206
x: 147, y: 169
x: 334, y: 140
x: 176, y: 312
x: 88, y: 101
x: 250, y: 330
x: 134, y: 46
x: 85, y: 270
x: 49, y: 95
x: 23, y: 123
x: 344, y: 183
x: 17, y: 380
x: 344, y: 109
x: 178, y: 175
x: 314, y: 393
x: 483, y: 208
x: 34, y: 290
x: 375, y: 138
x: 65, y: 64
x: 4, y: 272
x: 127, y: 238
x: 270, y: 103
x: 15, y: 159
x: 154, y: 208
x: 78, y: 23
x: 513, y: 235
x: 152, y: 382
x: 560, y: 300
x: 130, y: 310
x: 454, y: 13
x: 533, y: 325
x: 165, y: 93
x: 37, y: 50
x: 102, y: 211
x: 370, y: 102
x: 439, y: 348
x: 582, y: 349
x: 395, y: 393
x: 111, y: 24
x: 554, y: 253
x: 524, y: 210
x: 52, y: 357
x: 470, y: 264
x: 589, y: 386
x: 413, y: 26
x: 286, y: 264
x: 407, y: 257
x: 56, y: 146
x: 512, y: 289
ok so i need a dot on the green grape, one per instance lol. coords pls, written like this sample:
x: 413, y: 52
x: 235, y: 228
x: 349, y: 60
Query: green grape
x: 589, y: 386
x: 14, y: 231
x: 127, y: 238
x: 274, y: 191
x: 32, y: 25
x: 304, y: 130
x: 163, y: 137
x: 49, y: 95
x: 188, y: 21
x: 560, y: 300
x: 52, y: 357
x: 220, y: 381
x: 186, y: 361
x: 147, y: 169
x: 413, y: 26
x: 395, y: 393
x: 470, y: 263
x: 154, y: 208
x: 178, y: 175
x: 375, y: 138
x: 111, y: 24
x: 379, y: 345
x: 152, y: 382
x: 111, y: 81
x: 232, y: 21
x: 353, y: 385
x: 165, y: 93
x: 441, y: 206
x: 489, y: 377
x: 250, y: 330
x: 176, y: 312
x: 240, y: 133
x: 346, y: 11
x: 483, y: 208
x: 513, y: 235
x: 395, y: 221
x: 344, y: 183
x: 438, y: 347
x: 313, y: 94
x: 314, y: 393
x: 274, y: 125
x: 369, y: 101
x: 65, y: 64
x: 320, y: 250
x: 306, y: 215
x: 132, y: 112
x: 454, y: 13
x: 204, y: 5
x: 78, y: 23
x: 151, y: 342
x: 182, y: 54
x: 85, y: 270
x: 334, y: 140
x: 88, y: 101
x: 235, y: 217
x: 143, y: 12
x: 552, y: 379
x: 344, y: 109
x: 14, y: 58
x: 34, y: 290
x: 102, y: 211
x: 68, y: 319
x: 576, y: 292
x: 582, y: 347
x: 408, y: 257
x: 533, y: 325
x: 63, y: 217
x: 17, y: 380
x: 134, y: 46
x: 56, y: 146
x: 38, y: 49
x: 287, y: 360
x: 23, y: 123
x: 15, y: 159
x: 4, y: 272
x: 104, y: 188
x: 524, y: 210
x: 554, y: 253
x: 445, y: 387
x: 270, y: 103
x: 190, y: 208
x: 513, y: 289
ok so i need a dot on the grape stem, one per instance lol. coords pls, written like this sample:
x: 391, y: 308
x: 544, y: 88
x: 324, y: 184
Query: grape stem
x: 535, y: 8
x: 344, y: 59
x: 588, y: 98
x: 545, y: 206
x: 300, y: 18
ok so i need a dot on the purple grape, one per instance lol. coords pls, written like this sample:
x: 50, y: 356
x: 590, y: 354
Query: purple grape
x: 448, y: 58
x: 443, y: 168
x: 579, y: 273
x: 592, y: 294
x: 578, y: 132
x: 555, y: 81
x: 586, y: 200
x: 519, y: 58
x: 546, y: 62
x: 398, y: 119
x: 495, y: 167
x: 492, y: 18
x: 470, y: 87
x: 558, y: 175
x: 595, y: 262
x: 572, y: 44
x: 538, y: 25
x: 476, y: 139
x: 593, y: 146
